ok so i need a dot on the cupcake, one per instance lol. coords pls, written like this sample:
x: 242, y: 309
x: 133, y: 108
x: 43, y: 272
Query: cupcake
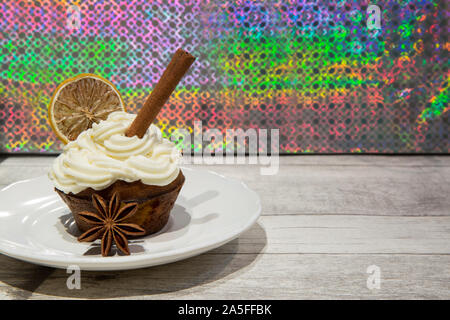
x: 103, y: 161
x: 117, y: 174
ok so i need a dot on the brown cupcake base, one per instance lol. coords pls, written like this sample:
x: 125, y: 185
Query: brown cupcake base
x: 154, y: 202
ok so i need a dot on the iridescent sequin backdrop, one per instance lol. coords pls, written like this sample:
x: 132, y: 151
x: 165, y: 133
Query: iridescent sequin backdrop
x: 313, y: 69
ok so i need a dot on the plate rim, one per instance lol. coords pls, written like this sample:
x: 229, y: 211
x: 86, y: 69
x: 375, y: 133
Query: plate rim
x: 138, y: 261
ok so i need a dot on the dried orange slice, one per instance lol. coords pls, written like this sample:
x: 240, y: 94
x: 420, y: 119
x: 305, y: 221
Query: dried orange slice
x: 79, y: 102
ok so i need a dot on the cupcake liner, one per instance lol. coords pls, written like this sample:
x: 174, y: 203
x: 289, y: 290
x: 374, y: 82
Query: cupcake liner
x: 152, y: 213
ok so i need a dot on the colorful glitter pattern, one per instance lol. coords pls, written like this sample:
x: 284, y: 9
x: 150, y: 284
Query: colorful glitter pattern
x: 313, y: 69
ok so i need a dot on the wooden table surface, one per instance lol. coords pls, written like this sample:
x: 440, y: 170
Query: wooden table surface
x: 325, y: 220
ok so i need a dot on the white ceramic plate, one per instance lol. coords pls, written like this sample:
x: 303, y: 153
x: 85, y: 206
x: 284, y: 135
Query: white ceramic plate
x: 36, y: 225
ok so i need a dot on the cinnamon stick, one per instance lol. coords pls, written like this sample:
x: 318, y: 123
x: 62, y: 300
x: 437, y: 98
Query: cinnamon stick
x: 178, y: 66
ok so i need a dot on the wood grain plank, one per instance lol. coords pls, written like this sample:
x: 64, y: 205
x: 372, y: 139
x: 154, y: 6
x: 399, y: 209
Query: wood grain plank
x: 19, y: 279
x: 346, y: 235
x: 326, y: 220
x: 12, y: 174
x: 284, y: 249
x: 252, y: 276
x: 297, y: 160
x: 355, y: 190
x: 369, y: 189
x: 27, y: 161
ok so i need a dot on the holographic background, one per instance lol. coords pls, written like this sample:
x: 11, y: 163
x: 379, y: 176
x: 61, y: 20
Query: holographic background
x: 310, y: 68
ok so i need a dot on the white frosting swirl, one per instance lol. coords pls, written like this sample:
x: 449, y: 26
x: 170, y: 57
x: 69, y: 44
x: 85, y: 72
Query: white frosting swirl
x: 103, y: 154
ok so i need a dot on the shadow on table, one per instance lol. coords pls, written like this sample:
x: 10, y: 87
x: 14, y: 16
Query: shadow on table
x: 209, y: 267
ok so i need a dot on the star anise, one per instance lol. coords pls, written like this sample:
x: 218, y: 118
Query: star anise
x: 108, y: 223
